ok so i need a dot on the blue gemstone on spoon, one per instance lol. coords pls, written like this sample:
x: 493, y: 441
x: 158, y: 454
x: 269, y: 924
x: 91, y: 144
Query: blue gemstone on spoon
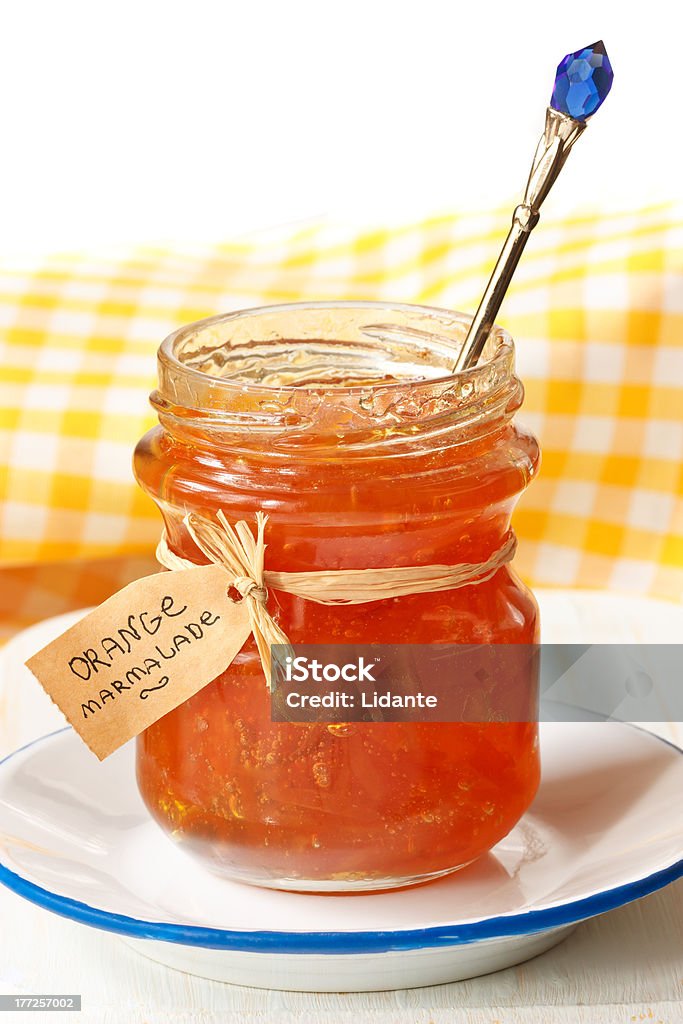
x: 582, y: 82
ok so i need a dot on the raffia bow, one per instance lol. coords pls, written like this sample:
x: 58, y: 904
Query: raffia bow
x: 242, y: 556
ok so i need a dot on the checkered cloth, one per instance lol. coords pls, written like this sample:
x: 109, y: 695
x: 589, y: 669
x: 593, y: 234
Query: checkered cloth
x: 596, y: 309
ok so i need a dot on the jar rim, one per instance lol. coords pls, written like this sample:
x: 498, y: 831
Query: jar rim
x: 502, y: 351
x: 405, y: 342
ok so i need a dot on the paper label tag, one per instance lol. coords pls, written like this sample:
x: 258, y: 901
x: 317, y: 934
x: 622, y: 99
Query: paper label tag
x: 143, y: 652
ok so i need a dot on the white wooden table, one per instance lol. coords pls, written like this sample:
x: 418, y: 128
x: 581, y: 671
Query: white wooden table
x: 623, y: 967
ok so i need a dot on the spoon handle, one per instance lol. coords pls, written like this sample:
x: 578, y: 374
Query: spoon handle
x: 560, y: 134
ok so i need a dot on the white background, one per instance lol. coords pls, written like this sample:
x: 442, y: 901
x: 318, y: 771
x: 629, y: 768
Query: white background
x: 195, y: 120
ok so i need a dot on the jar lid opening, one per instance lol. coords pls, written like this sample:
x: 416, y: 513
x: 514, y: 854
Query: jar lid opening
x: 336, y: 366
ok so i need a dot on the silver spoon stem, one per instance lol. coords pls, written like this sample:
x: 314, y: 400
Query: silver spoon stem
x: 561, y: 132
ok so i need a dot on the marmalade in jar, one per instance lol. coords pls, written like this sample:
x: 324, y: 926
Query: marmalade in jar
x: 344, y: 423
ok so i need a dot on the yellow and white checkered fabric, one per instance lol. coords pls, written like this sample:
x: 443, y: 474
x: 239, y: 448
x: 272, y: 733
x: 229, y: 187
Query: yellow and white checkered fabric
x: 596, y: 310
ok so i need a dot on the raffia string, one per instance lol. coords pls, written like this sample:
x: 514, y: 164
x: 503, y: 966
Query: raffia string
x: 242, y: 556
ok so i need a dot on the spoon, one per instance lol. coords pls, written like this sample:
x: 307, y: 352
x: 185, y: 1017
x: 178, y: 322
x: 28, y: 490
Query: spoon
x: 582, y: 82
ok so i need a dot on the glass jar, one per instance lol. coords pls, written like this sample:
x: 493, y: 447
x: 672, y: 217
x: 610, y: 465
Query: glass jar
x: 344, y: 423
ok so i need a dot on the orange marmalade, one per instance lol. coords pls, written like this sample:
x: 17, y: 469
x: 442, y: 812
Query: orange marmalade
x: 344, y: 423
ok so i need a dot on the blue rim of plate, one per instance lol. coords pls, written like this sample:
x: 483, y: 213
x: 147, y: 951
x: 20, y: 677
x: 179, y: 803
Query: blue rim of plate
x: 527, y: 923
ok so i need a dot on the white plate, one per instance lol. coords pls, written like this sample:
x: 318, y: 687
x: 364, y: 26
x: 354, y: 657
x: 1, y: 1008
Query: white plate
x: 605, y: 829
